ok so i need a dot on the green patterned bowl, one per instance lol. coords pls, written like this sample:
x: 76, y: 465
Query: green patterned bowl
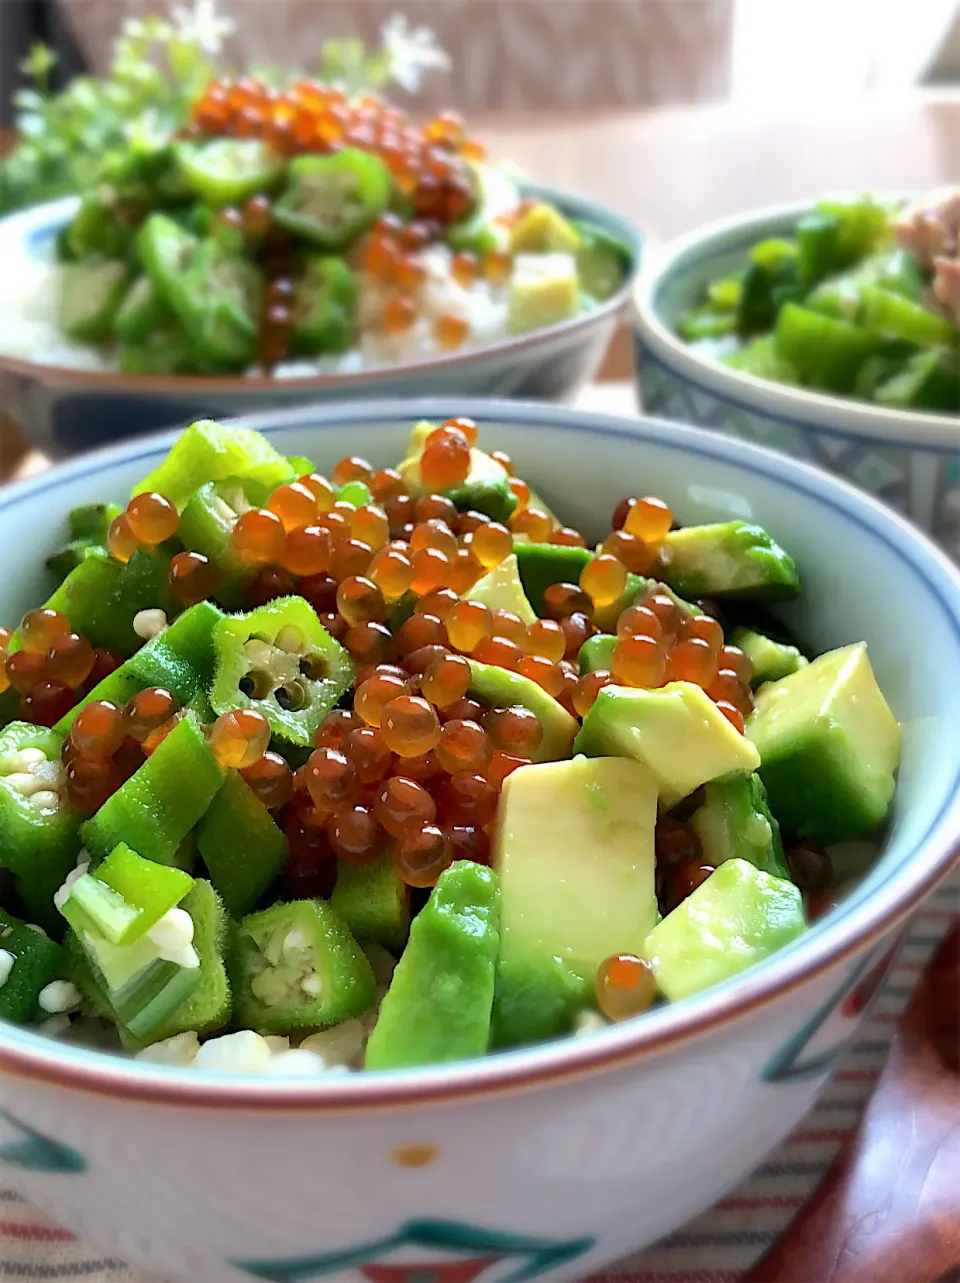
x: 909, y: 460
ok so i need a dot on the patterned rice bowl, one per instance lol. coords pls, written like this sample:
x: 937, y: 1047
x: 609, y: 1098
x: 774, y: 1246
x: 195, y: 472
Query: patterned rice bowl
x: 64, y: 410
x: 910, y: 460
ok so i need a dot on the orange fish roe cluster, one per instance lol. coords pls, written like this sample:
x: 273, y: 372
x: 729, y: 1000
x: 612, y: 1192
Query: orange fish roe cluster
x: 53, y: 668
x: 108, y: 742
x: 414, y: 769
x: 428, y: 162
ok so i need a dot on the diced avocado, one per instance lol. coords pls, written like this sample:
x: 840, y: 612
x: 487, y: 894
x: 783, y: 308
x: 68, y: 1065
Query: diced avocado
x: 543, y: 564
x: 735, y: 823
x: 602, y: 261
x: 440, y: 997
x: 374, y: 902
x: 597, y: 653
x: 771, y: 659
x: 543, y: 230
x: 676, y: 730
x: 499, y: 688
x: 739, y: 916
x: 575, y: 854
x: 91, y: 293
x: 727, y: 559
x: 501, y: 589
x: 829, y: 747
x: 544, y: 290
x: 486, y: 488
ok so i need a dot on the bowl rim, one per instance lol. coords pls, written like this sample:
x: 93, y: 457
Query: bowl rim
x: 798, y: 407
x: 142, y: 384
x: 862, y: 920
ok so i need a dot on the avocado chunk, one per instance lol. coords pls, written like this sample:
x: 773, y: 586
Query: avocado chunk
x: 499, y: 688
x: 486, y: 488
x: 727, y: 559
x: 374, y: 902
x: 543, y: 230
x: 735, y: 823
x: 829, y: 747
x: 438, y: 1005
x: 543, y: 564
x: 739, y: 916
x: 544, y: 290
x: 676, y: 730
x: 597, y: 653
x: 574, y: 850
x: 771, y: 659
x: 501, y: 589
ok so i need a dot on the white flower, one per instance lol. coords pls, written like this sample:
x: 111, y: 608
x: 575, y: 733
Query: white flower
x: 412, y: 50
x: 203, y: 26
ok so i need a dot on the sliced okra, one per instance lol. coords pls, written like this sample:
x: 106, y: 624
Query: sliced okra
x: 209, y: 451
x: 330, y: 200
x: 39, y: 829
x: 29, y: 962
x: 125, y: 898
x: 324, y: 308
x: 241, y: 845
x: 155, y: 809
x: 280, y: 660
x: 296, y: 966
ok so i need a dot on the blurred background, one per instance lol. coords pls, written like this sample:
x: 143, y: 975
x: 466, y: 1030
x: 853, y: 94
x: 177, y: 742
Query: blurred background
x: 561, y: 54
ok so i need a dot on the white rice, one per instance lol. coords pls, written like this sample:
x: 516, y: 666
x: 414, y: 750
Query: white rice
x: 29, y: 308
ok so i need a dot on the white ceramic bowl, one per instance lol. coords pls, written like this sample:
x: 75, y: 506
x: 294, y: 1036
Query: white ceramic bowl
x: 67, y: 411
x: 554, y: 1160
x: 910, y: 460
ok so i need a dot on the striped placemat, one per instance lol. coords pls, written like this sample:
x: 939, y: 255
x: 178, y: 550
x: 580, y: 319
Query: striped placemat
x: 718, y: 1247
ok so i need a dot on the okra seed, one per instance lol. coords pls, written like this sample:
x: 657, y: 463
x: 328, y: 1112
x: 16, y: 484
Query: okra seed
x: 149, y: 623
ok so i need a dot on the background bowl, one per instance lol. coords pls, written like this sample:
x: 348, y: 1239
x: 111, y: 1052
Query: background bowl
x: 65, y: 411
x: 554, y: 1160
x: 908, y: 459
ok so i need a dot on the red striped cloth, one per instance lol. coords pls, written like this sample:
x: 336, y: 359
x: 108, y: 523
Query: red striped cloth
x: 719, y: 1247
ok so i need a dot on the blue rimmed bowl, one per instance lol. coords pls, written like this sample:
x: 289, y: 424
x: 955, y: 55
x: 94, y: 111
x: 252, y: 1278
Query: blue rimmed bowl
x: 64, y: 411
x: 547, y: 1162
x: 910, y: 460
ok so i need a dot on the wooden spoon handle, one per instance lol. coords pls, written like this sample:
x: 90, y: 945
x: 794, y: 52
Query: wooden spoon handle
x: 888, y: 1210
